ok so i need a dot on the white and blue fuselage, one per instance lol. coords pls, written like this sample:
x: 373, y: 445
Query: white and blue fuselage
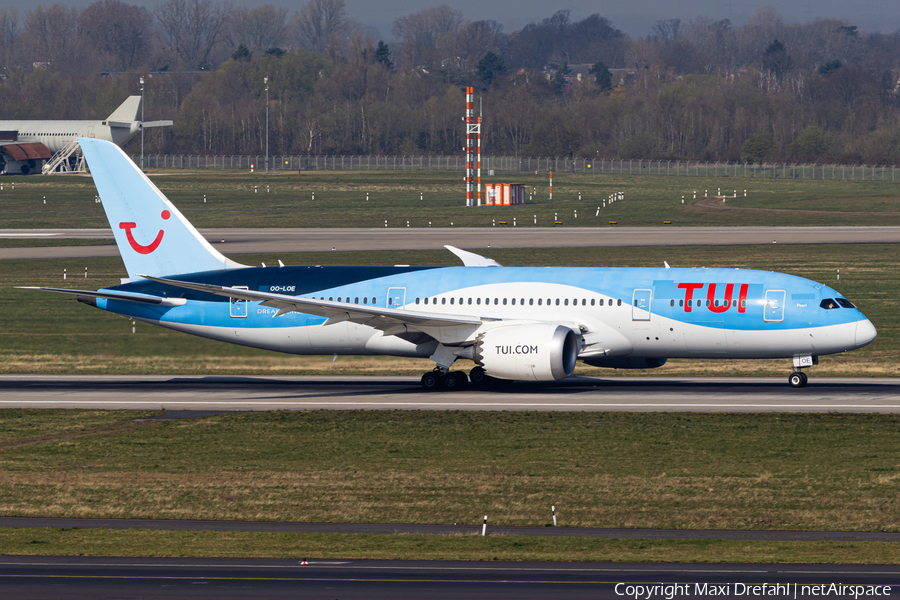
x: 643, y: 313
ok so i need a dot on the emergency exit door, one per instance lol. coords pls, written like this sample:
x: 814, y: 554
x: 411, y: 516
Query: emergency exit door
x: 396, y: 297
x: 774, y: 311
x: 640, y: 305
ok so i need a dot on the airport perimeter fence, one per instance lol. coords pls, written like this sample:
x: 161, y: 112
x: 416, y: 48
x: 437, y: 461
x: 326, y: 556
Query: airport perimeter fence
x: 491, y: 165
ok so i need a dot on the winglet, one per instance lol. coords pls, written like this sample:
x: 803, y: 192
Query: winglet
x: 470, y: 259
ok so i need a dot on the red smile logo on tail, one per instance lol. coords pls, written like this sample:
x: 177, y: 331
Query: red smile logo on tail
x: 139, y: 248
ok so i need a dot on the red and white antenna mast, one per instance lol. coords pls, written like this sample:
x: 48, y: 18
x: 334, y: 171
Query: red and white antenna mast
x: 478, y: 132
x: 471, y: 128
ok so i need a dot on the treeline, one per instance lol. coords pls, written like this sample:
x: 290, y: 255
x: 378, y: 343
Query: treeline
x: 703, y: 90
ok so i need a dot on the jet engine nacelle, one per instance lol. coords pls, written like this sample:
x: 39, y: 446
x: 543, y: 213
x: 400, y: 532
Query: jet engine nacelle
x: 538, y: 352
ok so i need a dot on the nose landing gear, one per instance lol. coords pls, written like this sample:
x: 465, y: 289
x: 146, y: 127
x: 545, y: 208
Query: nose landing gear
x: 797, y: 379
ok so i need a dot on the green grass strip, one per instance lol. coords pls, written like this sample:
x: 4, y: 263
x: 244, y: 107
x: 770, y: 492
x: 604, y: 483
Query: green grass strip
x: 108, y: 542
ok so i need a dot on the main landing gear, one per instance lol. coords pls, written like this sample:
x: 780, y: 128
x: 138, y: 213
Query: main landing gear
x: 438, y: 380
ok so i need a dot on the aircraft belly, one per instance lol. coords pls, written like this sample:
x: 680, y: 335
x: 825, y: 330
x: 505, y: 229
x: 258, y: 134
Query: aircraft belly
x: 658, y: 338
x: 391, y: 345
x: 292, y: 340
x: 337, y: 337
x: 785, y: 343
x: 716, y: 342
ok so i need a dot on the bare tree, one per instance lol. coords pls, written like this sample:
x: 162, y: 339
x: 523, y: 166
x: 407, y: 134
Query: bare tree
x: 428, y: 36
x: 9, y: 36
x: 191, y: 29
x: 318, y: 21
x: 51, y: 33
x: 668, y: 31
x: 119, y: 32
x: 259, y: 29
x: 476, y: 39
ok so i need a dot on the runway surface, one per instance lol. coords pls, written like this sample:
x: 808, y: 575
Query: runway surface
x: 97, y: 578
x: 245, y: 241
x: 430, y: 529
x: 633, y: 394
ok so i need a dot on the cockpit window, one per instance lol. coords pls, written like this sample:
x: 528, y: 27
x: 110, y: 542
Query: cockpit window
x: 828, y: 303
x: 844, y: 302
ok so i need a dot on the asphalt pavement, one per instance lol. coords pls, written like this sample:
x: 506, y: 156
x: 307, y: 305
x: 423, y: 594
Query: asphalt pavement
x: 261, y: 240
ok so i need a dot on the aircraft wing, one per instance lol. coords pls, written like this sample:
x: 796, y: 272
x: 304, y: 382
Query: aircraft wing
x: 127, y: 296
x: 389, y: 320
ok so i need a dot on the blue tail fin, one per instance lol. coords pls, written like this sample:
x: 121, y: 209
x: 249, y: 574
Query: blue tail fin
x: 153, y: 237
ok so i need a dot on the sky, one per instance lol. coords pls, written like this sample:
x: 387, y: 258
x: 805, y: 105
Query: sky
x: 635, y: 17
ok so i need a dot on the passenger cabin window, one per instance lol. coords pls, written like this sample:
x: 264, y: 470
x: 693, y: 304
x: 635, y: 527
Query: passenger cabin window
x: 619, y: 302
x: 828, y: 304
x: 844, y: 302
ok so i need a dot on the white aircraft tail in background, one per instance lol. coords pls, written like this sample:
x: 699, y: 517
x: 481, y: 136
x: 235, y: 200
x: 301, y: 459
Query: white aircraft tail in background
x: 25, y: 145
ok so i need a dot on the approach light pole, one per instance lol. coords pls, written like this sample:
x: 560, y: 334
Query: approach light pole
x: 142, y: 124
x: 266, y: 81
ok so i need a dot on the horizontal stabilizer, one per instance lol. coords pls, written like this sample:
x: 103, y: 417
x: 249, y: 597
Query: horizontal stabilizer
x: 128, y: 297
x: 146, y: 124
x: 124, y: 124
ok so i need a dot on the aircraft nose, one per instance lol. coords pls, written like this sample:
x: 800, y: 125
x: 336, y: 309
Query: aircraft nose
x: 865, y: 332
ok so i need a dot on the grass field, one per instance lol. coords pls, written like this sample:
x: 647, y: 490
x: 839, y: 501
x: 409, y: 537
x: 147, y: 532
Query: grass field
x: 98, y: 542
x: 707, y: 471
x: 340, y: 200
x: 49, y: 333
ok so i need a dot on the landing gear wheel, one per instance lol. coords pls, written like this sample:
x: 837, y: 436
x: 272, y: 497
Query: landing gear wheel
x: 797, y: 380
x: 432, y: 380
x: 805, y: 379
x: 455, y: 381
x: 478, y: 377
